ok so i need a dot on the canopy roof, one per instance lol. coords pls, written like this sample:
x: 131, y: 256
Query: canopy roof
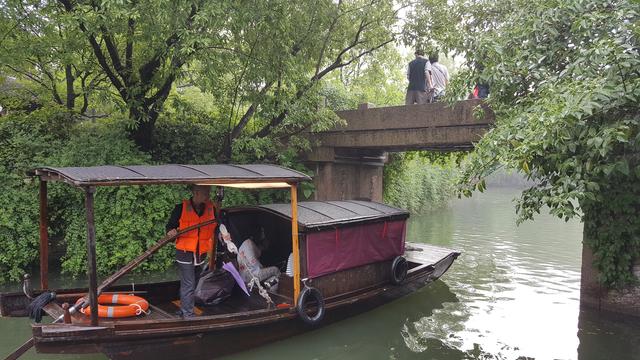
x: 317, y: 214
x: 246, y: 176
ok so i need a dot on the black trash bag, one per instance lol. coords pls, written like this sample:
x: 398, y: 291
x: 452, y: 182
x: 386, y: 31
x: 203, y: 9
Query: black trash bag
x: 214, y: 287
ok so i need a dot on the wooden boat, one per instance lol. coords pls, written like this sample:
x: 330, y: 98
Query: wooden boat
x: 349, y: 257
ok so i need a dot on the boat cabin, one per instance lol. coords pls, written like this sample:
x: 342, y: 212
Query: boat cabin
x: 344, y: 245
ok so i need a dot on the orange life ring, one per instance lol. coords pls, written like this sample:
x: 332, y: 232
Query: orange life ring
x: 135, y: 305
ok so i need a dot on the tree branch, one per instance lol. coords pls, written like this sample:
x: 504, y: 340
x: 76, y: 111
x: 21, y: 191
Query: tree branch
x: 266, y: 130
x: 369, y: 51
x: 31, y: 77
x: 250, y: 111
x: 97, y: 50
x: 236, y: 130
x: 71, y: 94
x: 53, y: 88
x: 326, y: 39
x: 112, y: 49
x: 148, y: 70
x: 85, y: 94
x: 128, y: 53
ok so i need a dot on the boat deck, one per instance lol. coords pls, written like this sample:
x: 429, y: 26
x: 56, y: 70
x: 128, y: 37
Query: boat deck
x: 236, y: 303
x: 426, y: 254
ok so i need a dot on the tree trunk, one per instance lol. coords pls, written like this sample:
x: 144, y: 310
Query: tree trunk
x: 227, y: 150
x: 142, y: 134
x: 71, y: 94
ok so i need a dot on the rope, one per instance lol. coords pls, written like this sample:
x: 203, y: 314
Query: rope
x: 24, y: 290
x: 261, y: 290
x: 139, y: 308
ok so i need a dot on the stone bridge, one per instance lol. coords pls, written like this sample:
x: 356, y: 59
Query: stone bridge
x: 349, y: 162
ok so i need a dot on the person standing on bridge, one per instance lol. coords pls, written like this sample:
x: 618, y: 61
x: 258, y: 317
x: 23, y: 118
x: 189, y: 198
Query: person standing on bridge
x: 420, y: 80
x: 440, y: 77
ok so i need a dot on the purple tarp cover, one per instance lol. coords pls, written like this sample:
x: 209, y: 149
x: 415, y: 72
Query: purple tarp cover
x: 338, y: 249
x: 236, y: 275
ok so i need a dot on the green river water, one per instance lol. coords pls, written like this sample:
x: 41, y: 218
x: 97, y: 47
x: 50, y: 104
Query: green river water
x: 512, y: 294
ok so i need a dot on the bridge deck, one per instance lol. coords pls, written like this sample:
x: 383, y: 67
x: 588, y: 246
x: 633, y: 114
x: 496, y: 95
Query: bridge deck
x: 436, y: 126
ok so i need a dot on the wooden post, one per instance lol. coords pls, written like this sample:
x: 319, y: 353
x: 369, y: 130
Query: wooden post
x: 67, y: 314
x: 217, y: 203
x: 91, y: 255
x: 295, y: 244
x: 44, y: 237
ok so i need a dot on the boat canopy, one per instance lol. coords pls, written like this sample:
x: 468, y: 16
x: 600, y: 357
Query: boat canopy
x: 252, y: 176
x: 243, y: 176
x: 320, y: 214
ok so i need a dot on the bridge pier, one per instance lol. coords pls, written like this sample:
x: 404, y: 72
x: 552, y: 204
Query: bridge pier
x: 345, y: 174
x: 595, y: 296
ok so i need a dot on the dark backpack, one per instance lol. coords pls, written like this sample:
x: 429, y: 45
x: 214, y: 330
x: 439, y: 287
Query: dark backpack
x: 214, y: 287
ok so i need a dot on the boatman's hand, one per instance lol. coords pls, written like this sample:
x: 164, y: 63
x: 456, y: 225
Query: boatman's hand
x: 172, y: 232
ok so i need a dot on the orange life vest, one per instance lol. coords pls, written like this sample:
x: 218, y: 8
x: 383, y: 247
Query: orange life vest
x: 200, y: 239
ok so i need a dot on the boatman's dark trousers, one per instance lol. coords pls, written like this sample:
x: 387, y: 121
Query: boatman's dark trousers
x: 189, y: 276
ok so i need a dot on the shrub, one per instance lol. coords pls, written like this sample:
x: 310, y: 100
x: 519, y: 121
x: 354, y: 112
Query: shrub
x: 128, y: 219
x: 25, y: 140
x: 415, y: 183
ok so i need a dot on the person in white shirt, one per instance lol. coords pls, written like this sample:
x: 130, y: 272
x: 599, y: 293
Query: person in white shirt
x: 440, y: 76
x: 248, y: 259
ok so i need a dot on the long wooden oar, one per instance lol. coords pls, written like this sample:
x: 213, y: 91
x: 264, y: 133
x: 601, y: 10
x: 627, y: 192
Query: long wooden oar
x: 111, y: 280
x: 133, y: 264
x: 21, y: 350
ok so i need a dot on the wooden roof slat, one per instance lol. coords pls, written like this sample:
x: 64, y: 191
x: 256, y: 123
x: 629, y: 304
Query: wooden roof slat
x: 192, y: 168
x: 124, y: 167
x: 244, y: 168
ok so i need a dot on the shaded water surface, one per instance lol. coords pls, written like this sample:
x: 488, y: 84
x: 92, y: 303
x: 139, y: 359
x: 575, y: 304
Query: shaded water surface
x: 512, y: 294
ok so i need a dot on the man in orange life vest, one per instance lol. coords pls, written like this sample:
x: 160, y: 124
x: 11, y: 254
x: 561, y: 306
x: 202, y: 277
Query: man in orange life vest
x: 192, y: 247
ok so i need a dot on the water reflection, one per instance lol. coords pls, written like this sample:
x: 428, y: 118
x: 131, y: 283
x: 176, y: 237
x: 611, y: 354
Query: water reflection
x: 377, y: 334
x: 518, y: 286
x: 607, y: 337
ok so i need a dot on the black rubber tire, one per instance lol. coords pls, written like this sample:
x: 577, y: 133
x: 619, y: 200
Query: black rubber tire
x: 399, y: 268
x: 307, y: 294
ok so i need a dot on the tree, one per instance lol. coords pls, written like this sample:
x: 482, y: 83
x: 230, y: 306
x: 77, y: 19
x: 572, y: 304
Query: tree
x: 45, y: 52
x: 141, y: 47
x: 268, y: 69
x: 565, y: 87
x: 261, y: 60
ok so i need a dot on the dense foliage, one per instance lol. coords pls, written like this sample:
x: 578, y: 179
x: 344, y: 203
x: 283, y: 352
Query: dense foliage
x: 565, y: 86
x: 135, y: 52
x: 128, y: 219
x: 23, y: 141
x: 416, y: 183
